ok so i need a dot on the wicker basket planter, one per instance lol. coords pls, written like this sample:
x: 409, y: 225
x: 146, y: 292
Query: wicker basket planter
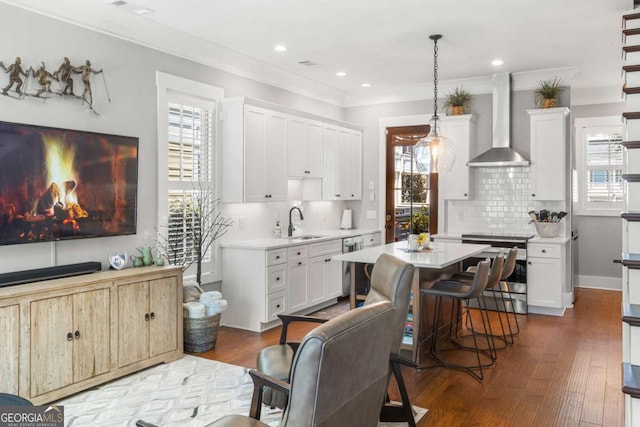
x: 200, y: 334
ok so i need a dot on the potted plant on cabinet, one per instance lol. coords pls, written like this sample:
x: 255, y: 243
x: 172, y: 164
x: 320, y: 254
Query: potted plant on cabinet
x: 457, y: 102
x: 548, y: 92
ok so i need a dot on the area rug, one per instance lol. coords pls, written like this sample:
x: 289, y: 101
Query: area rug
x: 190, y: 392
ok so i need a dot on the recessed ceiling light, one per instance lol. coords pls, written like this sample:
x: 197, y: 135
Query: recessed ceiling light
x: 497, y: 62
x: 341, y: 74
x: 280, y: 48
x: 366, y: 85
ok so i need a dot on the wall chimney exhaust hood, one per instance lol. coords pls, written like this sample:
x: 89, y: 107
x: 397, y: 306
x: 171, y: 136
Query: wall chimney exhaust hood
x: 501, y: 153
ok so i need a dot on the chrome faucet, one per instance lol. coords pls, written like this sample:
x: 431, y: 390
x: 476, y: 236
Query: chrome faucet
x: 291, y: 228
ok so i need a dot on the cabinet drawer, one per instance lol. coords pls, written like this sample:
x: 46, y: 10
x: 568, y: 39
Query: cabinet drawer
x: 537, y: 250
x: 276, y: 256
x: 297, y: 253
x: 276, y: 278
x: 324, y: 248
x: 372, y: 239
x: 276, y: 304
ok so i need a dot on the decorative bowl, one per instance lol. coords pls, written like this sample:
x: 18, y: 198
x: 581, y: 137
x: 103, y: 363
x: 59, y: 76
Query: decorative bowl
x: 547, y: 229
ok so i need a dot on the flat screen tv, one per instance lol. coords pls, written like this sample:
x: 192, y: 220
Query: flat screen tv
x: 58, y: 184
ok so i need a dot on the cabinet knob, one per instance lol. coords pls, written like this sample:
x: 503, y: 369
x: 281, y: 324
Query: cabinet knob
x: 69, y: 336
x: 298, y: 253
x: 146, y: 317
x: 299, y: 262
x: 277, y: 305
x: 277, y: 256
x: 465, y: 194
x: 277, y: 279
x: 77, y: 335
x: 544, y: 251
x: 533, y: 195
x: 152, y: 315
x: 327, y: 260
x: 529, y: 262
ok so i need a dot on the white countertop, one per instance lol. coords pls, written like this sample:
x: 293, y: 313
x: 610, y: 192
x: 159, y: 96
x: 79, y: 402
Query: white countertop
x: 283, y: 242
x: 554, y: 240
x: 439, y: 255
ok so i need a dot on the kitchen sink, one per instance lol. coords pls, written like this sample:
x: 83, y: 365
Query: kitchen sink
x: 306, y: 237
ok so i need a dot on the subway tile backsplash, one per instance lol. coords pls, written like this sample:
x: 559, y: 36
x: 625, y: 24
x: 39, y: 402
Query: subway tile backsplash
x: 500, y: 200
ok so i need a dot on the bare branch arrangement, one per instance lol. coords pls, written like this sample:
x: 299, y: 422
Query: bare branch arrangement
x: 194, y: 224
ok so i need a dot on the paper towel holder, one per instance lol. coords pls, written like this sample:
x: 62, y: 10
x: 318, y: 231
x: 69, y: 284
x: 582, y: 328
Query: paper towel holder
x: 346, y: 223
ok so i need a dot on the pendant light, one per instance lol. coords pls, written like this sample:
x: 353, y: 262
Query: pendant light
x: 435, y: 152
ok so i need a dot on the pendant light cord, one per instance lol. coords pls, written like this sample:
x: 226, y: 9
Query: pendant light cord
x: 435, y: 38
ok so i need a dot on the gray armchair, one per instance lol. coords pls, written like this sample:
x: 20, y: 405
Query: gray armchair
x: 339, y: 374
x: 391, y: 281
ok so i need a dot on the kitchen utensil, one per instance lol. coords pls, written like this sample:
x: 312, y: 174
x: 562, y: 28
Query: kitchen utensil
x: 544, y: 215
x: 533, y: 215
x: 554, y: 217
x: 561, y: 215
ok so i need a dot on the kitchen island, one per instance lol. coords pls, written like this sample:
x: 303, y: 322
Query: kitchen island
x: 440, y: 260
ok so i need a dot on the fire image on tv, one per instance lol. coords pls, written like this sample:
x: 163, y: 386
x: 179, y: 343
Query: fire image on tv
x: 58, y: 184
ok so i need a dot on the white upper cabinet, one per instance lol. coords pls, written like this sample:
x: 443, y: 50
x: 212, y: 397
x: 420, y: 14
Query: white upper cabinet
x: 460, y: 130
x: 254, y: 153
x: 548, y: 153
x: 342, y: 176
x: 305, y: 148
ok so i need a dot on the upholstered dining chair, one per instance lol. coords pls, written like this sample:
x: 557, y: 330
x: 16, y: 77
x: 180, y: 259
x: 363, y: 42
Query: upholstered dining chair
x: 338, y: 376
x: 391, y: 280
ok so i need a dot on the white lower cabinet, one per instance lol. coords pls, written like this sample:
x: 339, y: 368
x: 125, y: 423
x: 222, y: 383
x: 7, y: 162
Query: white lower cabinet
x: 297, y: 272
x: 260, y: 284
x: 546, y: 277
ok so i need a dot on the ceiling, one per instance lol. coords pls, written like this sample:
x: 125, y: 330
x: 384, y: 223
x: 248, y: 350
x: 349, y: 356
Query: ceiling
x: 381, y: 42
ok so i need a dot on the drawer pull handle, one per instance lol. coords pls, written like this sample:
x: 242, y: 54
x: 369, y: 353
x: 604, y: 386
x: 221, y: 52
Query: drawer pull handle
x: 152, y: 316
x: 146, y: 317
x: 544, y: 251
x: 77, y: 335
x: 69, y: 336
x: 298, y: 253
x: 299, y: 262
x: 277, y: 256
x: 529, y: 263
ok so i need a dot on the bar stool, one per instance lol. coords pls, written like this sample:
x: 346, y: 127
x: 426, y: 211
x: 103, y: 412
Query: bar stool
x: 458, y: 292
x: 502, y: 287
x: 495, y: 275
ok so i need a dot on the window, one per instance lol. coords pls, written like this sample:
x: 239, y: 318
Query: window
x: 599, y: 164
x: 187, y: 171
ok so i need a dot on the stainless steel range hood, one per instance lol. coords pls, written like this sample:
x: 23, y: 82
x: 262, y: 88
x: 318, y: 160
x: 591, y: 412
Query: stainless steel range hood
x: 501, y: 153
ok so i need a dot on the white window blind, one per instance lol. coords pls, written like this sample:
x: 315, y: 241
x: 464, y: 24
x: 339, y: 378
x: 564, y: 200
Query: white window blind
x: 187, y: 171
x: 600, y: 163
x: 190, y: 177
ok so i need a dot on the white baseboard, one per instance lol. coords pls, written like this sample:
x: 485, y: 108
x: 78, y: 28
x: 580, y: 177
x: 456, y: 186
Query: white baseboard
x: 598, y: 282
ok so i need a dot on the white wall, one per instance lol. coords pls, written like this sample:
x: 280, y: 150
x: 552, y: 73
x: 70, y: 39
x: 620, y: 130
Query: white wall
x: 130, y: 72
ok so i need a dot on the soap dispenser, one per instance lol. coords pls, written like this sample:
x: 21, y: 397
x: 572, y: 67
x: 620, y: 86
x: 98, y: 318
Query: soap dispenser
x: 277, y: 230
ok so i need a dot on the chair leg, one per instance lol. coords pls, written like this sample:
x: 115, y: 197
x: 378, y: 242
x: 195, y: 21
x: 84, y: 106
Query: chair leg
x: 394, y: 413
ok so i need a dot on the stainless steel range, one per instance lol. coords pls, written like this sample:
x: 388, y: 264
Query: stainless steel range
x: 501, y: 243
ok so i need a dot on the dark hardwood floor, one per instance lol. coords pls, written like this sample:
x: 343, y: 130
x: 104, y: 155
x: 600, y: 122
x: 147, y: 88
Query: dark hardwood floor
x: 562, y: 371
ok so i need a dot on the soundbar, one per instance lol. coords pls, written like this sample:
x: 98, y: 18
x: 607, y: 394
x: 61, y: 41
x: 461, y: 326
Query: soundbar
x: 47, y: 273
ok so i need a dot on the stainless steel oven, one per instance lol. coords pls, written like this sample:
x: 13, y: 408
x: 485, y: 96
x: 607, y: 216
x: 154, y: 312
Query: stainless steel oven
x: 517, y: 282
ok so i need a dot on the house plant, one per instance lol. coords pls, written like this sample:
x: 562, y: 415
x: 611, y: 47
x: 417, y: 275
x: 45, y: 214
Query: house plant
x: 547, y: 93
x: 194, y: 224
x: 457, y: 102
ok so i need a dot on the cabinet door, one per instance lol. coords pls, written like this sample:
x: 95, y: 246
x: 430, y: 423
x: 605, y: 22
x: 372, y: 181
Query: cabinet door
x: 9, y: 356
x: 92, y: 323
x: 51, y: 344
x: 331, y: 163
x: 275, y: 167
x: 296, y: 160
x: 313, y: 148
x: 454, y: 184
x: 255, y: 189
x: 133, y: 324
x: 334, y: 277
x: 544, y: 282
x: 297, y: 284
x: 548, y: 148
x: 355, y: 165
x: 317, y: 280
x: 163, y: 300
x: 343, y: 166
